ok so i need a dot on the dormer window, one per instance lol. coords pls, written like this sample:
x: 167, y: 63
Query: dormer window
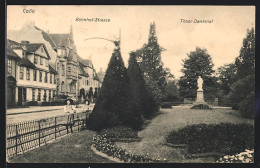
x: 41, y: 50
x: 47, y: 64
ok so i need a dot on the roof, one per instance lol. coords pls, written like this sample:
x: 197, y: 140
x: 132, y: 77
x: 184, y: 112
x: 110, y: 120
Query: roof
x: 52, y: 70
x: 9, y: 51
x: 101, y: 75
x: 85, y: 62
x: 82, y: 71
x: 72, y: 56
x: 32, y: 47
x: 26, y: 63
x: 95, y: 75
x: 47, y: 37
x: 60, y: 39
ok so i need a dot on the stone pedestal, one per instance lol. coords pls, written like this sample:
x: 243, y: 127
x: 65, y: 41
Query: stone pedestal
x: 200, y: 98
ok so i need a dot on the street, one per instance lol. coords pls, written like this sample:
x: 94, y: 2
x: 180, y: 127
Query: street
x: 20, y: 115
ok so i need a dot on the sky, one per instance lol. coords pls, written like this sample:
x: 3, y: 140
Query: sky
x: 222, y: 38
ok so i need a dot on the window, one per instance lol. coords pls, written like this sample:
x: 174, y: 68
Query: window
x: 62, y: 87
x: 58, y: 67
x: 54, y: 79
x: 53, y: 93
x: 46, y: 77
x: 9, y: 66
x: 36, y: 59
x: 41, y: 61
x: 51, y: 78
x: 40, y: 76
x: 33, y: 94
x: 87, y: 82
x: 44, y: 95
x: 39, y: 94
x: 21, y: 72
x: 27, y: 73
x: 49, y: 95
x: 63, y: 70
x: 34, y: 75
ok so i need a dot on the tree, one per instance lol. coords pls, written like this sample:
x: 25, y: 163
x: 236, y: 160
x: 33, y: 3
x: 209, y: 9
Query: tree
x: 145, y: 102
x: 243, y: 89
x: 149, y: 60
x: 227, y: 76
x: 115, y: 104
x: 245, y: 62
x: 199, y: 63
x: 171, y: 91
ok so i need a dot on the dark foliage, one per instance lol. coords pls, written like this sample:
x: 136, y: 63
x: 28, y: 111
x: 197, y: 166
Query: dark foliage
x: 121, y: 134
x: 171, y: 92
x: 201, y: 106
x: 145, y: 103
x: 149, y: 60
x: 46, y: 103
x: 166, y: 105
x: 31, y: 103
x: 199, y: 63
x: 115, y: 104
x: 104, y: 143
x: 224, y: 138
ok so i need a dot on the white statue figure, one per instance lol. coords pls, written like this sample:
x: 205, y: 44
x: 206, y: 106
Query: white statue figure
x: 200, y: 81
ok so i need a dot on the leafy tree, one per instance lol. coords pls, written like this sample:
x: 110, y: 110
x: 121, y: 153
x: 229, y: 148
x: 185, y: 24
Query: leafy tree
x: 227, y: 76
x: 245, y: 62
x: 115, y: 104
x: 145, y: 102
x: 171, y: 91
x: 243, y: 89
x: 149, y: 59
x: 199, y: 63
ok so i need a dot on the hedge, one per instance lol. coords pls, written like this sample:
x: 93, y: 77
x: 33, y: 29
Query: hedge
x: 225, y: 138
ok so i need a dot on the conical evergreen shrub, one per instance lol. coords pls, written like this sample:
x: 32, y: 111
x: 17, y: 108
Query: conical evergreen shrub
x: 146, y: 105
x: 115, y: 104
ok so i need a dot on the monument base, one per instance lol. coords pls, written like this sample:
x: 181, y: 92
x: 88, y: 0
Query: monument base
x: 200, y: 98
x: 200, y: 103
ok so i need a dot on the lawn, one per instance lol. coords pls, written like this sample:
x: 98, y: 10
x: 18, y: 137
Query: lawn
x: 153, y: 141
x: 74, y: 148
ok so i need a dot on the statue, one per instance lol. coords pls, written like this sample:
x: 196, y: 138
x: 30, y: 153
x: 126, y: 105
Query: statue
x: 200, y: 95
x: 200, y: 84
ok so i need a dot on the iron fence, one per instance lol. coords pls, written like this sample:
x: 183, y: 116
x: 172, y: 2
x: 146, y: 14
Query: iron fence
x: 28, y: 135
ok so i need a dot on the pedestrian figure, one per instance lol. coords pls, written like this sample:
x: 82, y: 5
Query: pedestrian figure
x: 69, y: 109
x: 86, y: 106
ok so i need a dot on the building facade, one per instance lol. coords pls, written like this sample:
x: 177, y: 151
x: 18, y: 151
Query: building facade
x: 36, y: 80
x: 74, y: 73
x: 35, y: 73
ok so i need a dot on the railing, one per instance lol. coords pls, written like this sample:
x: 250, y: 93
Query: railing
x: 28, y: 135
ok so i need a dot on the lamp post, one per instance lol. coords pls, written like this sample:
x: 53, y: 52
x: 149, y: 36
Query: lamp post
x: 116, y: 42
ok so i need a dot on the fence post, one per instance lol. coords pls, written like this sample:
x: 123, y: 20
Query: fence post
x: 16, y: 134
x: 78, y: 121
x: 55, y: 127
x: 39, y: 133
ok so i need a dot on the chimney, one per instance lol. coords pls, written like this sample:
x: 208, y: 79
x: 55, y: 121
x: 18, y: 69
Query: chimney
x: 25, y: 42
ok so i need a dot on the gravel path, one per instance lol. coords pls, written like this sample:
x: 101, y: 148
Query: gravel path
x: 153, y: 136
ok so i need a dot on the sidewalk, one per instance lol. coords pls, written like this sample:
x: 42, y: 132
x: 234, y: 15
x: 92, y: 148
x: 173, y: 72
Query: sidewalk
x: 32, y: 109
